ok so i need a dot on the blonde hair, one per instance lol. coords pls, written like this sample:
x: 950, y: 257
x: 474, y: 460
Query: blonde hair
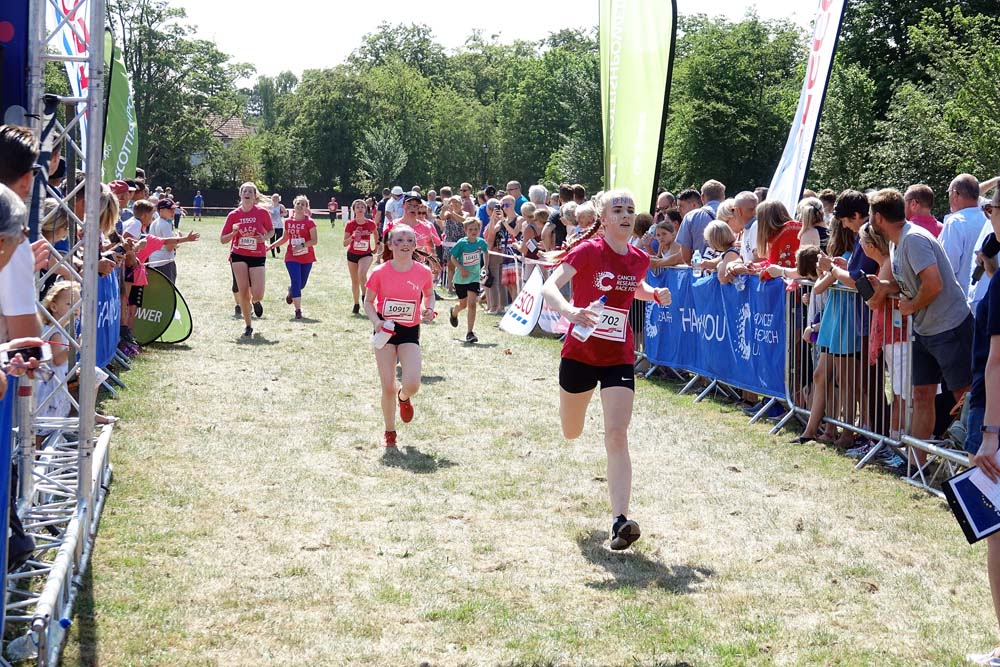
x: 606, y: 200
x: 527, y: 209
x: 810, y: 213
x: 301, y: 198
x: 719, y: 236
x: 261, y: 199
x: 109, y: 210
x: 57, y: 289
x: 55, y: 219
x: 727, y: 210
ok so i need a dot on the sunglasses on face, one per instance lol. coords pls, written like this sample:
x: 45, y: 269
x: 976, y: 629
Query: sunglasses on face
x: 506, y: 205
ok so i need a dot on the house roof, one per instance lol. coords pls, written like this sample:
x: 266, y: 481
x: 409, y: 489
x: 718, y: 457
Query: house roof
x: 231, y: 128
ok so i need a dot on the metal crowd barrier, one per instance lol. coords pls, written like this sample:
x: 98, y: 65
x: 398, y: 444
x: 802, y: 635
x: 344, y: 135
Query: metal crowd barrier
x: 844, y: 374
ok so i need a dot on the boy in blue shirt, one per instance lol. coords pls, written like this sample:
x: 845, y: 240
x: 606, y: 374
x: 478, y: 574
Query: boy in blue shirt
x: 470, y: 254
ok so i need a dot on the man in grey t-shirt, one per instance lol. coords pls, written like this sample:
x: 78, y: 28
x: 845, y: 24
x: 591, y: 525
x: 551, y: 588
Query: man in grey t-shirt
x: 929, y: 291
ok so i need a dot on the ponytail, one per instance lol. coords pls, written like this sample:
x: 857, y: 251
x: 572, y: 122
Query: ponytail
x: 556, y: 257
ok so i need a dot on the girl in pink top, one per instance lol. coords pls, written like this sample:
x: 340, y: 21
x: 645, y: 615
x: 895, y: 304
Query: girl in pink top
x: 359, y: 234
x: 247, y: 230
x: 400, y: 291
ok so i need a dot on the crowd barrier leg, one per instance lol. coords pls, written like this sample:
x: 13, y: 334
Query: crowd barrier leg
x: 691, y: 383
x: 771, y: 402
x: 712, y: 386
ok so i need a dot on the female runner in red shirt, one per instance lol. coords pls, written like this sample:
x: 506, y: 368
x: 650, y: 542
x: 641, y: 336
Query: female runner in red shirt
x: 396, y: 291
x: 301, y: 236
x: 603, y: 266
x: 358, y: 235
x: 247, y: 230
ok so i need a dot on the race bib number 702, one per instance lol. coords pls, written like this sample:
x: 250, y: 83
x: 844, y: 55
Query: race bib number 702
x: 612, y: 325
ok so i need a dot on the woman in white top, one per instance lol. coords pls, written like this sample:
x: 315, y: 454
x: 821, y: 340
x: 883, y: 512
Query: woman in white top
x: 278, y: 213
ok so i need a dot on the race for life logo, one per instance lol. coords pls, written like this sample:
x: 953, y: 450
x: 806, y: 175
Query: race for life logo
x: 602, y: 281
x: 607, y: 281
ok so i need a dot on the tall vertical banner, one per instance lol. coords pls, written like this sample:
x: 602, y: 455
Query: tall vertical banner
x: 637, y: 52
x: 13, y: 61
x: 121, y: 134
x: 790, y: 177
x: 73, y: 39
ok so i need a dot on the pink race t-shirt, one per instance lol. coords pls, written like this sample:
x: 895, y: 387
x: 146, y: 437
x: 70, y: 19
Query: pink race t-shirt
x: 363, y: 245
x: 600, y: 271
x: 249, y: 225
x: 399, y: 294
x: 427, y: 236
x: 297, y: 232
x: 139, y: 277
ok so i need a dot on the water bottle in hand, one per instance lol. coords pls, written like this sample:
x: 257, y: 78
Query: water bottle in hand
x: 695, y: 261
x: 596, y: 307
x: 383, y: 335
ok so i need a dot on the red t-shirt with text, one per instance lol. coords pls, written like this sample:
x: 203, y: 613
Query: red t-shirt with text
x: 248, y: 225
x: 297, y: 232
x: 362, y: 245
x: 399, y: 294
x: 600, y: 271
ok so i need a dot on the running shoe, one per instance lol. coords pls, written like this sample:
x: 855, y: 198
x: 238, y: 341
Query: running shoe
x: 389, y: 440
x: 624, y: 533
x: 405, y: 410
x: 258, y: 309
x: 357, y: 309
x: 860, y: 451
x: 471, y: 338
x: 452, y: 317
x: 288, y: 297
x: 237, y: 312
x: 298, y: 314
x: 248, y: 332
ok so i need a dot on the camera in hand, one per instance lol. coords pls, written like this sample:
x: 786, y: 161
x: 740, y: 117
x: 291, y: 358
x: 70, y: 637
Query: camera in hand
x: 41, y: 352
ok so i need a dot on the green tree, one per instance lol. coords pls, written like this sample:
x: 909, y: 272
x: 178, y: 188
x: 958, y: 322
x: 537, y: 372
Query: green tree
x: 846, y: 140
x: 175, y: 88
x: 409, y: 44
x: 733, y: 94
x: 382, y: 156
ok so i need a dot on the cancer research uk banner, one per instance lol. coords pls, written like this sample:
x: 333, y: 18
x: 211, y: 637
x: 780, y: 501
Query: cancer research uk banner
x: 790, y: 176
x: 716, y: 330
x: 109, y: 314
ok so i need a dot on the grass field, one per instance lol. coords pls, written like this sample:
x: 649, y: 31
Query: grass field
x: 254, y: 520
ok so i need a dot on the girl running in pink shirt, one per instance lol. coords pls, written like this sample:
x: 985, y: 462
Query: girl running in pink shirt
x: 400, y: 291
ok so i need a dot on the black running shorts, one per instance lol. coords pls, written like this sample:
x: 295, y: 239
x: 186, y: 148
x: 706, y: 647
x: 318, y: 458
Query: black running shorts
x: 577, y: 377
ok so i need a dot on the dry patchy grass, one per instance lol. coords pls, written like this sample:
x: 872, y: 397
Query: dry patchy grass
x: 254, y: 520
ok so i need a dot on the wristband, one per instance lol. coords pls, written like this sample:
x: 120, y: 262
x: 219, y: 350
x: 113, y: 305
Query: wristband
x: 989, y: 429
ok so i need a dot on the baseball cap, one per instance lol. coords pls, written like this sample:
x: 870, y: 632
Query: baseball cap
x: 164, y: 203
x: 397, y: 190
x: 412, y: 196
x: 118, y: 187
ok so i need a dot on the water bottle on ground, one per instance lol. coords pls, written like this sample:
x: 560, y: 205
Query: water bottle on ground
x: 583, y: 333
x: 695, y: 261
x: 383, y: 335
x: 24, y: 647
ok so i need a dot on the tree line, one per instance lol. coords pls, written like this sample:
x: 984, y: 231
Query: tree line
x: 914, y: 97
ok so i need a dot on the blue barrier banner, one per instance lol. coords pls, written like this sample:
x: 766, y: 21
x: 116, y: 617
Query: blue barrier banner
x: 109, y: 316
x: 732, y: 335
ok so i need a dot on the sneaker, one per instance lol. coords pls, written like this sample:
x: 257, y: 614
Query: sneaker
x: 895, y: 462
x: 356, y: 310
x: 452, y: 317
x: 405, y: 410
x: 248, y: 332
x: 860, y: 451
x: 258, y: 309
x: 389, y: 440
x: 237, y: 312
x: 754, y: 409
x: 471, y: 338
x: 989, y: 659
x: 298, y: 314
x: 437, y: 297
x: 624, y: 533
x: 288, y: 297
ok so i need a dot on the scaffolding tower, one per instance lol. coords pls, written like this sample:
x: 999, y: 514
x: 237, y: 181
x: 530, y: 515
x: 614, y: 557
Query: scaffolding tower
x: 62, y: 464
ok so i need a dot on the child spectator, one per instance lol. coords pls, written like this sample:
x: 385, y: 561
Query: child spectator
x: 53, y: 397
x: 722, y: 248
x: 666, y: 249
